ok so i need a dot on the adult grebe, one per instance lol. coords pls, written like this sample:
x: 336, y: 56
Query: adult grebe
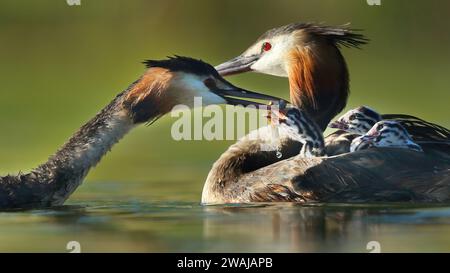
x: 165, y: 84
x: 242, y: 174
x: 309, y: 56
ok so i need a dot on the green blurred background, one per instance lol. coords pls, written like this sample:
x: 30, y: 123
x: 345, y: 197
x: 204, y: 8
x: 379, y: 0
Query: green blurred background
x: 60, y: 64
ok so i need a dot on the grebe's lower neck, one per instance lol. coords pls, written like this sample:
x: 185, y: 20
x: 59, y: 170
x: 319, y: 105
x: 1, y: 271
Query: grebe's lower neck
x: 67, y: 168
x: 318, y: 81
x: 141, y: 102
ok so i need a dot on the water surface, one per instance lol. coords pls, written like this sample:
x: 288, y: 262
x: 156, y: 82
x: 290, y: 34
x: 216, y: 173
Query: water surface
x: 118, y: 221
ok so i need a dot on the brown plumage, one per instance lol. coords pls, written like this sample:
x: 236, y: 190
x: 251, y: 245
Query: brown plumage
x: 357, y: 177
x: 146, y: 99
x: 318, y: 81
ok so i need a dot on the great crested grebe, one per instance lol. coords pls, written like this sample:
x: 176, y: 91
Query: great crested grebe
x: 164, y: 84
x: 386, y: 133
x: 360, y: 120
x: 241, y: 174
x: 310, y: 57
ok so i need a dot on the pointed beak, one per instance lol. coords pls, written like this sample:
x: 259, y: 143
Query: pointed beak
x: 238, y: 65
x: 233, y: 95
x: 276, y: 116
x: 337, y: 124
x: 370, y: 137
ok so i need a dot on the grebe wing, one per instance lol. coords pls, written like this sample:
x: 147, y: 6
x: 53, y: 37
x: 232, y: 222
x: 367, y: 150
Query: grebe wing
x: 338, y: 142
x: 419, y: 129
x: 373, y: 175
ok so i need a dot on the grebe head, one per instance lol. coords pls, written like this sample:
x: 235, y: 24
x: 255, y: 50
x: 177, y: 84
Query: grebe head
x: 357, y: 121
x: 297, y: 125
x: 272, y: 52
x: 309, y: 55
x: 178, y: 80
x: 390, y: 134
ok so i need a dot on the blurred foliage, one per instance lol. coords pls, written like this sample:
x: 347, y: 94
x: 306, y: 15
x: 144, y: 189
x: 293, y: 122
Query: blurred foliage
x: 60, y: 64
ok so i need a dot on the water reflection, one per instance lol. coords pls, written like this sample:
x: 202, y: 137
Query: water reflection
x: 285, y: 228
x: 176, y: 226
x: 308, y: 229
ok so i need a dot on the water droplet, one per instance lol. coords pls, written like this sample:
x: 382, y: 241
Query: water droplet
x: 279, y: 154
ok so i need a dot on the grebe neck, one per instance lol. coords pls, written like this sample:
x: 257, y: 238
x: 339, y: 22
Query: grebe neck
x: 71, y: 163
x: 319, y: 81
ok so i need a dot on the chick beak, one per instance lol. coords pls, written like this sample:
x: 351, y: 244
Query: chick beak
x: 338, y: 124
x: 371, y: 136
x: 276, y: 116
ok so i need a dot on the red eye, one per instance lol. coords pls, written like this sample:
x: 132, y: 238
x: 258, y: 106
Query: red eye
x: 266, y: 46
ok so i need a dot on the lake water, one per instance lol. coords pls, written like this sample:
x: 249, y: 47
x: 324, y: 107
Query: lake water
x: 113, y: 217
